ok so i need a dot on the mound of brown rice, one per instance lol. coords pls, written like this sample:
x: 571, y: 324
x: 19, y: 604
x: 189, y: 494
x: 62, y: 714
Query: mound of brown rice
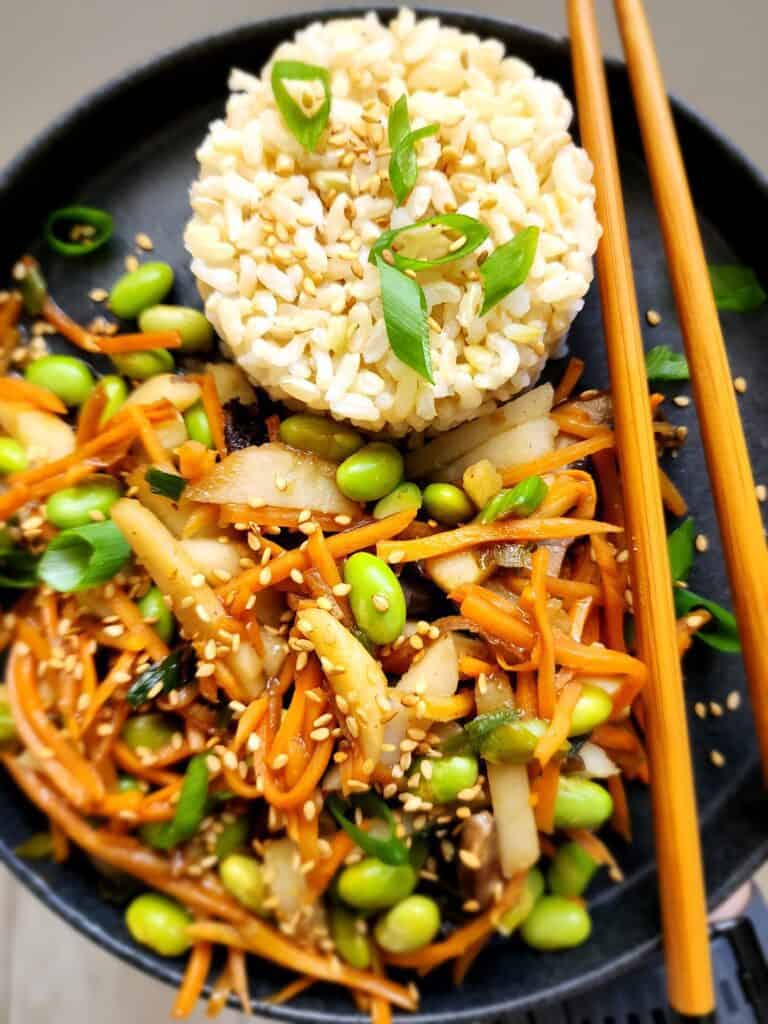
x: 280, y: 237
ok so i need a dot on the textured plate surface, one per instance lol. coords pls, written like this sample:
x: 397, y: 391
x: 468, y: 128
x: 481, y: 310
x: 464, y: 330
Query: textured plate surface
x: 130, y: 148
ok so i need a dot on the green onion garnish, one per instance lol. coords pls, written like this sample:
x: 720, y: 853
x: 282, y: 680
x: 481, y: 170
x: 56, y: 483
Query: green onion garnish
x: 736, y: 288
x: 722, y: 633
x: 390, y: 850
x: 403, y: 169
x: 31, y: 284
x: 661, y: 363
x: 471, y: 232
x: 475, y: 733
x: 171, y: 673
x: 681, y: 547
x: 521, y: 501
x: 190, y: 809
x: 307, y: 128
x: 405, y: 317
x: 38, y: 846
x: 507, y: 267
x: 169, y: 485
x: 93, y: 226
x: 83, y: 557
x: 18, y: 569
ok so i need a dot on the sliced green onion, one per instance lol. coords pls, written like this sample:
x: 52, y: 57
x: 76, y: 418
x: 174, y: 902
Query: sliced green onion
x: 475, y: 733
x: 472, y: 231
x: 520, y: 501
x: 507, y: 267
x: 37, y: 847
x: 661, y: 363
x: 405, y: 317
x: 681, y: 546
x: 18, y: 569
x: 306, y: 128
x: 83, y: 557
x: 190, y: 809
x: 32, y: 285
x: 169, y: 485
x: 95, y: 225
x: 170, y: 673
x: 722, y: 632
x: 403, y: 169
x: 736, y: 288
x: 390, y: 850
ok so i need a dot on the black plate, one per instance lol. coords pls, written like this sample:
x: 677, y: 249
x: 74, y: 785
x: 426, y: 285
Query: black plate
x: 130, y: 148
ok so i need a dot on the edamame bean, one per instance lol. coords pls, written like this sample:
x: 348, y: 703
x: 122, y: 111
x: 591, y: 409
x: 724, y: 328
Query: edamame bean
x: 532, y: 890
x: 243, y: 878
x: 232, y: 836
x: 152, y: 606
x: 350, y: 939
x: 403, y: 497
x: 513, y: 742
x: 13, y: 457
x: 127, y: 784
x: 141, y: 288
x: 84, y: 503
x: 448, y: 776
x: 68, y: 378
x: 371, y: 472
x: 376, y: 598
x: 116, y: 392
x: 143, y: 365
x: 447, y: 504
x: 160, y: 923
x: 7, y: 725
x: 149, y: 732
x: 409, y: 925
x: 593, y: 707
x: 571, y: 870
x: 191, y: 325
x: 581, y: 803
x: 373, y: 885
x: 198, y: 427
x: 556, y: 923
x: 326, y: 438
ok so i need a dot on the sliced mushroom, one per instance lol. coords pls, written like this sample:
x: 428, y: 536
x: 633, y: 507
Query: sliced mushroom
x: 480, y: 841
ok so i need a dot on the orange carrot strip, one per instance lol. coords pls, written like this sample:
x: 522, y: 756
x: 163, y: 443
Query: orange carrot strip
x: 672, y: 498
x: 615, y: 736
x: 449, y: 541
x: 558, y: 729
x: 341, y: 847
x: 463, y: 964
x: 381, y: 1011
x: 290, y: 991
x: 567, y: 590
x: 546, y: 675
x: 93, y: 448
x: 16, y: 389
x: 597, y: 850
x: 33, y: 638
x: 129, y: 762
x: 239, y: 978
x: 67, y: 327
x: 114, y: 679
x: 132, y: 619
x: 195, y: 460
x: 60, y: 843
x: 10, y: 314
x: 525, y: 693
x: 544, y: 789
x: 220, y: 993
x: 569, y: 380
x: 213, y: 410
x: 305, y: 787
x: 474, y: 667
x: 577, y: 423
x: 139, y: 342
x: 621, y: 820
x: 149, y: 439
x: 613, y: 596
x: 198, y: 966
x: 271, y: 515
x: 322, y: 559
x: 293, y: 719
x: 448, y: 709
x: 248, y: 721
x: 89, y: 419
x: 560, y: 457
x: 611, y: 499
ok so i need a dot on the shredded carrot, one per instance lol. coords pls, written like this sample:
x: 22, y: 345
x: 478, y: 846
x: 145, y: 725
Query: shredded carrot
x: 463, y: 964
x: 546, y: 675
x: 248, y: 721
x: 341, y: 846
x: 274, y: 516
x: 213, y: 410
x: 671, y: 496
x: 558, y: 729
x: 132, y: 619
x: 448, y: 709
x: 525, y: 693
x: 239, y: 978
x: 89, y: 418
x: 130, y: 763
x: 577, y: 423
x: 151, y: 442
x: 139, y: 342
x: 293, y: 719
x: 195, y: 460
x: 302, y: 791
x: 290, y: 991
x: 16, y: 389
x: 322, y: 559
x: 611, y: 498
x: 569, y: 380
x: 556, y: 459
x: 198, y: 966
x: 114, y: 679
x: 10, y: 314
x: 544, y: 789
x: 566, y: 590
x: 474, y: 534
x: 67, y: 327
x: 60, y: 843
x: 620, y: 820
x: 474, y: 667
x: 114, y: 436
x: 616, y: 736
x: 613, y: 596
x: 220, y: 993
x: 597, y: 850
x: 33, y: 638
x: 381, y: 1011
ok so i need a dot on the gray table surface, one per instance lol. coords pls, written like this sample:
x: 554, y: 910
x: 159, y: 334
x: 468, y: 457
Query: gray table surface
x: 50, y: 54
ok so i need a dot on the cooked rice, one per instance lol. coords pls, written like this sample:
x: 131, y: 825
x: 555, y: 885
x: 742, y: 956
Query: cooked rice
x: 280, y: 237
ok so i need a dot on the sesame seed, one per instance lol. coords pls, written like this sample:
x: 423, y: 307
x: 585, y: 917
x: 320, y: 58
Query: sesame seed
x: 309, y: 810
x: 307, y: 528
x: 463, y: 812
x: 733, y: 700
x: 202, y: 613
x: 341, y: 589
x: 325, y: 603
x: 131, y: 263
x: 281, y: 483
x: 702, y: 543
x: 342, y: 520
x: 352, y: 726
x: 197, y: 579
x: 395, y: 556
x: 469, y: 859
x: 740, y: 385
x: 204, y: 669
x: 265, y: 577
x: 380, y: 603
x: 681, y: 401
x: 115, y: 631
x: 98, y: 294
x: 653, y: 317
x: 761, y: 492
x: 716, y: 709
x: 144, y: 242
x: 280, y: 762
x: 301, y: 661
x: 213, y: 763
x: 320, y: 735
x: 716, y: 758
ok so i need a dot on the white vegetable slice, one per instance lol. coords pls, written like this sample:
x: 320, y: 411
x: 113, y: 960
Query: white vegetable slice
x: 170, y: 387
x: 450, y: 572
x: 520, y: 444
x: 510, y: 797
x: 43, y: 436
x: 231, y: 383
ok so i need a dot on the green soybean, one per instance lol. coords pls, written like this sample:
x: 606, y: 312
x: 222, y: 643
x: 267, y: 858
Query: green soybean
x: 150, y: 731
x: 326, y: 438
x: 153, y: 606
x: 68, y: 378
x: 373, y: 885
x: 160, y: 923
x: 139, y: 289
x: 143, y: 365
x: 404, y: 496
x: 532, y: 891
x: 448, y: 776
x: 556, y: 923
x: 116, y: 392
x: 127, y: 784
x: 513, y: 742
x: 233, y: 835
x: 198, y: 427
x: 7, y: 725
x: 243, y: 878
x: 593, y: 707
x: 581, y: 803
x: 195, y: 331
x: 81, y: 504
x: 571, y: 870
x: 13, y: 456
x: 409, y: 925
x: 371, y: 472
x: 376, y: 598
x: 447, y: 504
x: 351, y: 942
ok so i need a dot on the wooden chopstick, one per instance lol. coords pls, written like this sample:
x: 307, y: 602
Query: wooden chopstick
x: 683, y: 905
x: 730, y: 473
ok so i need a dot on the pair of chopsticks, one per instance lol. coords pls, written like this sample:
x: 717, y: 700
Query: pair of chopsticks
x: 681, y: 882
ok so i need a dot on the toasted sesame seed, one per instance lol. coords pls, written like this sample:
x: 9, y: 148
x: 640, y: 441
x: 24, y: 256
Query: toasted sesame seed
x: 308, y: 528
x: 717, y: 759
x: 131, y: 263
x: 395, y: 556
x: 320, y: 735
x: 740, y: 385
x: 341, y: 589
x: 342, y: 520
x: 213, y: 763
x: 716, y: 709
x: 733, y: 700
x: 469, y: 859
x: 653, y: 317
x: 761, y: 492
x: 380, y: 603
x: 280, y: 762
x: 98, y: 294
x: 144, y: 241
x: 702, y: 542
x: 682, y: 401
x: 302, y: 658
